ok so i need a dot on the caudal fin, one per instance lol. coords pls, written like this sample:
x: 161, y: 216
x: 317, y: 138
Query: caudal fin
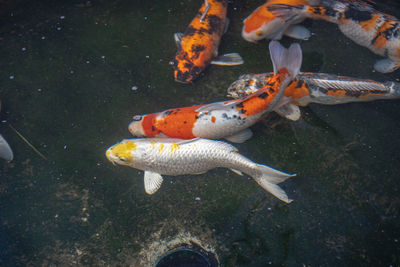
x: 286, y: 58
x: 269, y: 178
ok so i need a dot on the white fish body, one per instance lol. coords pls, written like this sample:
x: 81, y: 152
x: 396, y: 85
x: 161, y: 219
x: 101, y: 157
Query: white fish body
x: 165, y: 156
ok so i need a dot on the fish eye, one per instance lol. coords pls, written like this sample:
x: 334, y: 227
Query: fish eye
x: 137, y: 118
x: 122, y: 159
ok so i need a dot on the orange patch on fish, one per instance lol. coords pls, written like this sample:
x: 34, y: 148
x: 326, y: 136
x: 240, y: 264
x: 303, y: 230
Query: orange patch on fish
x: 297, y: 89
x: 148, y: 125
x: 337, y: 93
x: 253, y: 105
x: 213, y: 119
x: 370, y: 25
x: 179, y: 122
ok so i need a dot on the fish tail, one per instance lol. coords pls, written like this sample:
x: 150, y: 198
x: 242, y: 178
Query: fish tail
x: 268, y: 178
x: 394, y: 89
x: 286, y: 58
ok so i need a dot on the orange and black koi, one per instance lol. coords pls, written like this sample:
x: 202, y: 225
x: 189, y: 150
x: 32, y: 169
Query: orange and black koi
x: 198, y: 45
x: 320, y: 88
x: 226, y: 119
x: 359, y: 21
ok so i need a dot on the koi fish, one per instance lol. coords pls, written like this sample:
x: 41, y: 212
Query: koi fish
x: 165, y: 156
x: 225, y: 119
x: 320, y: 88
x: 357, y: 20
x: 262, y: 23
x: 5, y: 149
x: 198, y: 45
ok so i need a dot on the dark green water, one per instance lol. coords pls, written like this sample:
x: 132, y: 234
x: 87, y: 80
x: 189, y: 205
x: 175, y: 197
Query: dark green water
x: 66, y: 75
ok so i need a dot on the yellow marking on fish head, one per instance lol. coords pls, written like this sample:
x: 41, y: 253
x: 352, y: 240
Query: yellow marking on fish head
x: 174, y: 147
x: 121, y: 152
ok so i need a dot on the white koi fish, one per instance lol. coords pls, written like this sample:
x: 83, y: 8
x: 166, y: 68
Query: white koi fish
x: 167, y: 156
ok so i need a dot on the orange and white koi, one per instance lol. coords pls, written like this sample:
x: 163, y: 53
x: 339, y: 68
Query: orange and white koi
x: 262, y: 23
x: 198, y: 45
x: 359, y: 21
x: 320, y: 88
x: 226, y: 119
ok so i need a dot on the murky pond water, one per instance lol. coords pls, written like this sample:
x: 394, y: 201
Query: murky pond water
x: 72, y: 74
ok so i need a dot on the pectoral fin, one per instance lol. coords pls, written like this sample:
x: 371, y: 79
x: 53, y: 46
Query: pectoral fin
x: 152, y: 182
x: 5, y: 150
x: 237, y: 172
x: 226, y: 26
x: 289, y: 111
x: 298, y: 32
x: 240, y: 137
x: 178, y: 36
x: 231, y: 59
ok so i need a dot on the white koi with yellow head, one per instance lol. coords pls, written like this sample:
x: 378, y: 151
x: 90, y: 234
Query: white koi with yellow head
x: 158, y: 156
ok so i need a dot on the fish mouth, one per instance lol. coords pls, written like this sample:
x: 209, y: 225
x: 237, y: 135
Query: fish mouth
x: 110, y: 157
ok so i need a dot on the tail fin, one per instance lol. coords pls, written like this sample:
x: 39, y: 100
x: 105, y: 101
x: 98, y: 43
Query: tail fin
x: 286, y: 58
x: 5, y: 150
x: 394, y: 89
x: 269, y: 178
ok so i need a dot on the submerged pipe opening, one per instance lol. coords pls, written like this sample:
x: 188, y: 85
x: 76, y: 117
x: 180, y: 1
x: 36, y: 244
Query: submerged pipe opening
x: 187, y: 256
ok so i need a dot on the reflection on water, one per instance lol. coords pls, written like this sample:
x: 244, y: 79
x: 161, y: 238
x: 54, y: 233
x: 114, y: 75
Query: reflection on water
x: 73, y: 74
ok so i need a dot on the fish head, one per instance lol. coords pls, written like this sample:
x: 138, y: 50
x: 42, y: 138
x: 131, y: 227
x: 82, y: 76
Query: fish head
x: 122, y: 153
x: 136, y: 126
x: 256, y: 29
x: 186, y: 71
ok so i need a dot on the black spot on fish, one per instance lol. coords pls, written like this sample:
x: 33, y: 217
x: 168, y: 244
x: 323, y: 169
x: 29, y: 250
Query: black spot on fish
x: 263, y: 95
x: 355, y: 14
x: 353, y: 93
x: 272, y: 90
x: 197, y: 49
x: 184, y: 122
x: 323, y: 90
x: 299, y: 83
x: 188, y: 65
x: 190, y: 31
x: 240, y: 105
x: 391, y: 32
x: 330, y: 12
x: 153, y: 128
x: 242, y: 111
x: 317, y: 10
x: 203, y: 31
x: 216, y: 23
x: 196, y: 117
x: 183, y: 76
